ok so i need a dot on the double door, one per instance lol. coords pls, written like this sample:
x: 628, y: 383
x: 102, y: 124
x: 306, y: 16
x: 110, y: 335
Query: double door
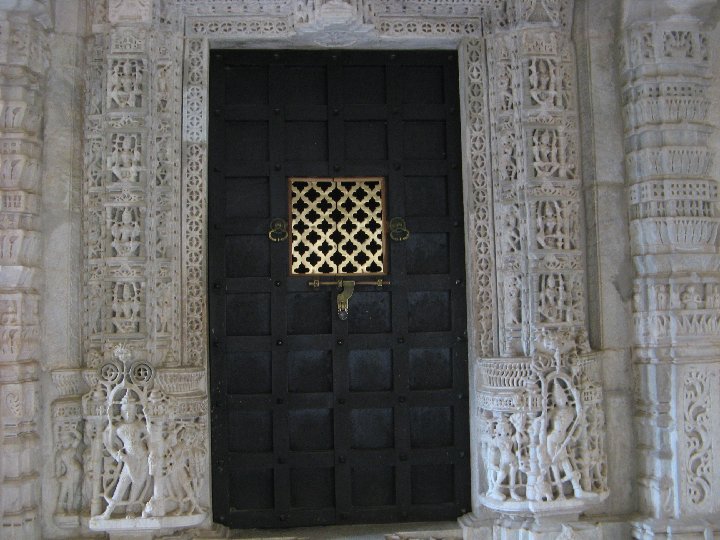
x: 320, y: 416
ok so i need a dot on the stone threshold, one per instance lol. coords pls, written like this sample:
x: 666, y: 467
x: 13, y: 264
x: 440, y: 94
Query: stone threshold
x: 447, y: 530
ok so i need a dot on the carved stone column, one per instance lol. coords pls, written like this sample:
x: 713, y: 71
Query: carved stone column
x: 23, y: 62
x: 132, y: 281
x: 674, y: 226
x: 538, y: 409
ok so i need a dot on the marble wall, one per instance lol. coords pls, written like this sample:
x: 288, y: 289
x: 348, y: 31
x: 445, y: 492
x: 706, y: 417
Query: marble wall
x: 588, y: 138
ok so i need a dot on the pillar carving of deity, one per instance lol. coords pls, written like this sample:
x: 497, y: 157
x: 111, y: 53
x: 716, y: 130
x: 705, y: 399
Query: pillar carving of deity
x: 538, y: 408
x: 23, y: 63
x: 674, y: 225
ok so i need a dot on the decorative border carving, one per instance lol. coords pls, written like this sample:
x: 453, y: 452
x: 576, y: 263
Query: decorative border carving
x: 194, y: 204
x: 478, y: 200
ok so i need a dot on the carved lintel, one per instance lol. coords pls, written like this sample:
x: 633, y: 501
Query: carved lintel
x: 130, y: 11
x: 334, y: 24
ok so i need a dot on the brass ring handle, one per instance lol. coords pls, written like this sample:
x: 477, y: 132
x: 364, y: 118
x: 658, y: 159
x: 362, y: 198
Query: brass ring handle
x: 398, y: 230
x: 278, y: 230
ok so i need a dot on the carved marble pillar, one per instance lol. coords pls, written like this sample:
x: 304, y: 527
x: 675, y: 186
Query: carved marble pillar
x: 674, y: 225
x: 23, y: 62
x: 538, y: 409
x: 132, y: 280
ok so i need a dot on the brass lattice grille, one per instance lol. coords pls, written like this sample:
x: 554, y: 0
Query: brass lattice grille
x: 337, y: 226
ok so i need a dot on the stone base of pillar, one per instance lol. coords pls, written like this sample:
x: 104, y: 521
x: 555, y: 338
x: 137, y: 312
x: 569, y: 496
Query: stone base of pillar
x: 477, y: 527
x: 698, y: 528
x: 496, y: 527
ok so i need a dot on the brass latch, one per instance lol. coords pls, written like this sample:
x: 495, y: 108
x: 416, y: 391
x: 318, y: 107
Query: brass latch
x: 346, y: 288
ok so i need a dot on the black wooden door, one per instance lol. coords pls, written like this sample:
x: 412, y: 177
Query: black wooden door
x: 318, y: 420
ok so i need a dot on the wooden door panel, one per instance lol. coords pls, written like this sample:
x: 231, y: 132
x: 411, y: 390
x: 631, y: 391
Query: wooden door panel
x: 316, y: 420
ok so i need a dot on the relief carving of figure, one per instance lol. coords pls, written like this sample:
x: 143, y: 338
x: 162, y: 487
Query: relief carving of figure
x: 691, y: 298
x: 713, y: 297
x: 542, y: 445
x: 128, y: 446
x: 552, y: 298
x: 501, y: 461
x: 543, y: 83
x: 68, y: 471
x: 126, y: 307
x: 125, y: 84
x: 147, y: 450
x: 562, y: 419
x: 126, y: 234
x: 549, y: 233
x: 125, y: 158
x: 662, y: 297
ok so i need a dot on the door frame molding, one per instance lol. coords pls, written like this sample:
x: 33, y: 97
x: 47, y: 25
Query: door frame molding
x: 203, y: 33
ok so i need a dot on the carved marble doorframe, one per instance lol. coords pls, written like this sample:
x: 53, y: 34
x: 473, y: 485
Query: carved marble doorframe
x: 146, y: 284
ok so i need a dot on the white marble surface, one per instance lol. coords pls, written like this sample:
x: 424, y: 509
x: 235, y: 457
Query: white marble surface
x: 52, y: 261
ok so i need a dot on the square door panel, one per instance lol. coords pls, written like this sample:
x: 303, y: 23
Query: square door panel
x: 247, y: 314
x: 431, y: 369
x: 372, y: 428
x: 306, y: 141
x: 366, y: 140
x: 370, y: 312
x: 428, y: 253
x: 429, y: 311
x: 247, y: 85
x: 248, y: 372
x: 310, y: 430
x: 312, y: 487
x: 247, y: 197
x: 424, y: 140
x: 373, y: 486
x: 247, y: 141
x: 258, y: 489
x: 309, y: 312
x: 304, y: 85
x: 371, y: 370
x: 257, y: 432
x: 423, y: 84
x: 433, y: 483
x: 426, y: 196
x: 363, y: 85
x: 431, y: 427
x: 309, y: 371
x: 247, y: 256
